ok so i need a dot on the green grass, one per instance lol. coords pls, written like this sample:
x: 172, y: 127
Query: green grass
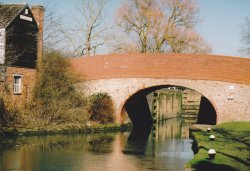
x: 232, y: 145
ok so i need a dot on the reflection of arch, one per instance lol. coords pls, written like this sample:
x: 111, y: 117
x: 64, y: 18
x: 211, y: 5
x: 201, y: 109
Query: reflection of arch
x: 207, y: 113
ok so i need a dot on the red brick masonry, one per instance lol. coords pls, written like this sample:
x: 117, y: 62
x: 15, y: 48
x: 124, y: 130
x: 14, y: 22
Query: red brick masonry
x: 169, y: 66
x: 28, y: 81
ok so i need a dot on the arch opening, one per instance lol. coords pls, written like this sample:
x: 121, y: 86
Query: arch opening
x: 140, y: 107
x: 207, y: 113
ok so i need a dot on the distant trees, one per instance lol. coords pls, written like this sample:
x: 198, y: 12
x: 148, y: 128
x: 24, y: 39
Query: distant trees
x: 88, y: 33
x: 160, y: 26
x: 142, y: 26
x: 245, y: 36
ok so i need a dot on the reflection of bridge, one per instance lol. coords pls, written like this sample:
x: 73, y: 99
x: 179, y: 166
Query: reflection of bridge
x: 224, y: 81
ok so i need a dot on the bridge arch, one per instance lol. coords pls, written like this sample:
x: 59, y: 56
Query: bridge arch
x: 141, y: 94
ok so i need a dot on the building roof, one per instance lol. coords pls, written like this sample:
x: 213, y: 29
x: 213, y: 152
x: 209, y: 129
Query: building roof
x: 8, y: 13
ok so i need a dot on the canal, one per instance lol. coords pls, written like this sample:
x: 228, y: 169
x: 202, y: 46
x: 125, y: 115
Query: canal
x: 167, y: 147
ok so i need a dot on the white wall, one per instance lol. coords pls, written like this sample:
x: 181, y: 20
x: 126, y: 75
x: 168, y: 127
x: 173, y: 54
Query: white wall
x: 2, y: 46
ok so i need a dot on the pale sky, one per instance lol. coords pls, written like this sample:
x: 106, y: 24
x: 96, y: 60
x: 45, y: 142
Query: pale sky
x: 220, y: 27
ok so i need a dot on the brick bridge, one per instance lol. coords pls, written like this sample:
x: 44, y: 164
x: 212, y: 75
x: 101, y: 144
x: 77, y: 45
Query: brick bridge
x: 223, y: 80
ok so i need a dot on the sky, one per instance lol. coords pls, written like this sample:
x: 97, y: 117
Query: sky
x: 220, y: 27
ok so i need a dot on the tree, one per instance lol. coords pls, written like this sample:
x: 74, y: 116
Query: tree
x: 245, y: 36
x: 88, y: 33
x: 52, y: 30
x: 162, y: 26
x: 55, y: 98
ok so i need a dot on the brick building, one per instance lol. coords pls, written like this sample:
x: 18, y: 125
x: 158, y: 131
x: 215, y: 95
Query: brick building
x: 20, y: 48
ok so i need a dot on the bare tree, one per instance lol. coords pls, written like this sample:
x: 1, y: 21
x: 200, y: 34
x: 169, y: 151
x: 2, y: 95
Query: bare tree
x: 88, y: 33
x: 52, y: 30
x: 162, y: 26
x: 245, y: 36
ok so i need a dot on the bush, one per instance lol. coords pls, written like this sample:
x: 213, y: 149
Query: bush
x: 55, y: 99
x: 10, y: 112
x: 101, y: 108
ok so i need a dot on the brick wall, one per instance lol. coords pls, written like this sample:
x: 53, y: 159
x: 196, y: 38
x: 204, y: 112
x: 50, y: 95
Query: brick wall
x: 28, y: 75
x: 38, y: 13
x: 28, y: 81
x: 217, y: 92
x: 181, y: 66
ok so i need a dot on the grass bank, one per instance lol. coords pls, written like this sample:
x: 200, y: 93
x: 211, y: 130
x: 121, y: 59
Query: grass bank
x: 232, y: 145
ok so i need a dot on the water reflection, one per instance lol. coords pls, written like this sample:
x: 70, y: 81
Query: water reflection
x: 172, y: 130
x: 137, y: 141
x: 161, y: 150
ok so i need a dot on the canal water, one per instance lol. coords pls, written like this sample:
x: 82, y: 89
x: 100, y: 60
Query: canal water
x: 167, y: 148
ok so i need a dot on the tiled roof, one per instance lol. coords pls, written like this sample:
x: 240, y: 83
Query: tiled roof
x: 8, y: 12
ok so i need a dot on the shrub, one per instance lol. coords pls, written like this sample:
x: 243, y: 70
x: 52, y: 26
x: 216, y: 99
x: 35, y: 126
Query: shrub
x: 101, y: 108
x: 55, y: 98
x: 10, y: 113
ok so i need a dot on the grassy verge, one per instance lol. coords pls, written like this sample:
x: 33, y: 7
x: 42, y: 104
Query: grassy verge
x: 232, y: 145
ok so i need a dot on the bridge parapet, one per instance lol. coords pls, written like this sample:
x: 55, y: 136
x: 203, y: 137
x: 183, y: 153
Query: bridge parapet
x: 171, y: 66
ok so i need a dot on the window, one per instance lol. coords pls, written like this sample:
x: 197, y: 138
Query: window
x: 17, y: 84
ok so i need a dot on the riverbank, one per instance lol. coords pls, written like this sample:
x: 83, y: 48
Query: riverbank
x: 55, y: 129
x: 232, y: 146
